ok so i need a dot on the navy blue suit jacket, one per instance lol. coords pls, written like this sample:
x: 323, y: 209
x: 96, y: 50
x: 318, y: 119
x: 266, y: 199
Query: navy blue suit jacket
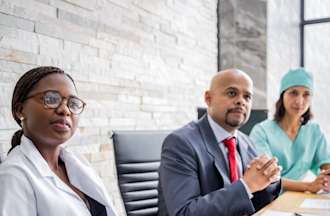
x: 194, y: 177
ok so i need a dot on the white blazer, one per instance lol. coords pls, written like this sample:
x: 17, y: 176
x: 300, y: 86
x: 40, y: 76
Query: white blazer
x: 28, y: 187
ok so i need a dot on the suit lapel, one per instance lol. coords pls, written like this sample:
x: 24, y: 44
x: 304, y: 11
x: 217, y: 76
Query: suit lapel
x: 242, y: 148
x: 213, y: 148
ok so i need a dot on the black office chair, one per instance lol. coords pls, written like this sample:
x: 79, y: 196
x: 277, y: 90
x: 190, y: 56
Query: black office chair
x: 256, y: 116
x: 137, y: 156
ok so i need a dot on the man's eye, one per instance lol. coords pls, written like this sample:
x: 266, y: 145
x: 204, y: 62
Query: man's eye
x: 231, y: 93
x: 248, y: 97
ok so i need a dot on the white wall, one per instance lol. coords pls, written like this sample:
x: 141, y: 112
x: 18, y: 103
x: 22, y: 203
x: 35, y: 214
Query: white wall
x: 139, y: 64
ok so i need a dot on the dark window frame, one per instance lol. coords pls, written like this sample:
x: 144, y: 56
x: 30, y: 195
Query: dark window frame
x: 218, y: 36
x: 302, y: 25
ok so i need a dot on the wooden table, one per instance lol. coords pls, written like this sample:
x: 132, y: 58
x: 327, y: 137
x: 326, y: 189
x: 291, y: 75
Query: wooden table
x: 290, y: 202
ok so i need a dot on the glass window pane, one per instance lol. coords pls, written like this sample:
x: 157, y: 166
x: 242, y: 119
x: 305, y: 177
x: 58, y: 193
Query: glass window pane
x: 317, y: 60
x: 316, y: 9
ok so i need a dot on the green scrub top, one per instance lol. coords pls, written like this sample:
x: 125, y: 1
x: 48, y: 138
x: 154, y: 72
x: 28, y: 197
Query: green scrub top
x: 308, y: 151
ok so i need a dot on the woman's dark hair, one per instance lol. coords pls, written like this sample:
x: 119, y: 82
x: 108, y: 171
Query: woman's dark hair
x: 23, y: 87
x: 280, y: 111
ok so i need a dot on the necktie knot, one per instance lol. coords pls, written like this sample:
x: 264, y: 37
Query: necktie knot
x: 230, y: 143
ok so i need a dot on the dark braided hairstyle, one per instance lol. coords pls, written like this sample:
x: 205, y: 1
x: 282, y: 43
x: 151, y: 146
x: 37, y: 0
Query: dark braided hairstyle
x: 23, y: 87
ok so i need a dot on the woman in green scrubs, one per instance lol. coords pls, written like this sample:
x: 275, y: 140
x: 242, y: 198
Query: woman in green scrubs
x: 298, y: 143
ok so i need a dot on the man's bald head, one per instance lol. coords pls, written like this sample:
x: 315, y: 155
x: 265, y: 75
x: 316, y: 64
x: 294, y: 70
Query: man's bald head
x: 229, y: 98
x: 223, y: 76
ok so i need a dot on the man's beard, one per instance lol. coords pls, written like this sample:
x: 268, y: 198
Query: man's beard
x: 235, y: 123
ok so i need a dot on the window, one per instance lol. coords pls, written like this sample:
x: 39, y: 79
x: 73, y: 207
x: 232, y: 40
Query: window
x: 314, y: 29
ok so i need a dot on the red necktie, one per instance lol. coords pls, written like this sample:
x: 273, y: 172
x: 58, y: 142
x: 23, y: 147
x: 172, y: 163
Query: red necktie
x: 230, y: 143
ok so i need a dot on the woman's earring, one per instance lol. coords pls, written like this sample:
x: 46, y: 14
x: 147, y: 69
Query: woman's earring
x: 21, y: 119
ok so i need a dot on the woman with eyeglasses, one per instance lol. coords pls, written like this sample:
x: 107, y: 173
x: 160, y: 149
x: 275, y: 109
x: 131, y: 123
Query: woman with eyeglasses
x: 297, y: 142
x: 39, y: 176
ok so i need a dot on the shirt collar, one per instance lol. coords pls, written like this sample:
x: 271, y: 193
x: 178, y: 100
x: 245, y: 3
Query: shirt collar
x: 31, y: 152
x: 219, y: 132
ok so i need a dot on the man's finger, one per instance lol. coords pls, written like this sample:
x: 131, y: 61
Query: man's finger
x: 269, y: 163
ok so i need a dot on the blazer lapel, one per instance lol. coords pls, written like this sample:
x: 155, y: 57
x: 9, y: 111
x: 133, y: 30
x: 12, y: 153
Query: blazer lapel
x: 243, y: 151
x: 213, y: 148
x: 81, y: 177
x: 34, y: 156
x: 84, y: 178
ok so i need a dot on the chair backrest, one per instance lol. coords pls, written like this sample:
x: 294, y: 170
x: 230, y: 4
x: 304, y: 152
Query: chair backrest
x: 137, y: 156
x: 256, y: 116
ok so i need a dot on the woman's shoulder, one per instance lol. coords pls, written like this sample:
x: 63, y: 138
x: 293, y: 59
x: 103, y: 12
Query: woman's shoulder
x: 266, y: 125
x: 15, y: 165
x: 312, y: 126
x: 14, y: 156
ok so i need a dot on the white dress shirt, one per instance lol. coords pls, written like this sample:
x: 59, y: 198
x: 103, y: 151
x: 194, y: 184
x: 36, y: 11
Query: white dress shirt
x: 28, y: 187
x: 220, y: 135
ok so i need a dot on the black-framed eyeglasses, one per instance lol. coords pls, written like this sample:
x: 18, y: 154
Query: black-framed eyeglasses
x: 53, y: 99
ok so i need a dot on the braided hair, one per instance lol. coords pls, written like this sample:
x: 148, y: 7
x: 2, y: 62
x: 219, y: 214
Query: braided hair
x: 23, y: 87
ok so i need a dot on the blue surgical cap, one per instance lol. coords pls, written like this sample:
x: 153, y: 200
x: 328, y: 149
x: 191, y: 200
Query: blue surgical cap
x: 296, y: 77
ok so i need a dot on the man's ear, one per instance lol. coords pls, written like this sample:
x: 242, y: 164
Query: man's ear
x: 207, y: 97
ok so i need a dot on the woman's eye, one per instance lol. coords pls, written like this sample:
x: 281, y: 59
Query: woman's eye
x: 307, y: 93
x: 294, y: 93
x: 74, y: 105
x: 51, y: 100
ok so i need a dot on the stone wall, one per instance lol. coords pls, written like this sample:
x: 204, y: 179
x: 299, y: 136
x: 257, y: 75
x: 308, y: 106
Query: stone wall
x: 243, y: 42
x: 139, y: 64
x: 282, y: 43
